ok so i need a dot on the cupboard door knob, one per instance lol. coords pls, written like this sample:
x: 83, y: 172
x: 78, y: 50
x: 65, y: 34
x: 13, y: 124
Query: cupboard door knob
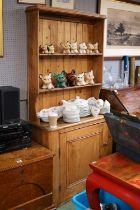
x: 105, y: 143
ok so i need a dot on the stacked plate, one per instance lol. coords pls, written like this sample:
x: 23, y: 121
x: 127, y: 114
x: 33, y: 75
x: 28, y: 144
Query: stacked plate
x: 71, y: 113
x: 83, y: 106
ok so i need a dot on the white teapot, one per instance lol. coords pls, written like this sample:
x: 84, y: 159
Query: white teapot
x: 71, y: 113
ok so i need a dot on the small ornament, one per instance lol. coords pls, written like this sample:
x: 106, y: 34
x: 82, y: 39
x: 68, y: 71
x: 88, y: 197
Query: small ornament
x: 51, y: 49
x: 71, y: 78
x: 95, y: 50
x: 80, y: 79
x: 47, y: 82
x: 89, y: 78
x: 60, y: 79
x: 90, y: 48
x: 66, y: 47
x: 74, y: 48
x: 82, y: 48
x: 43, y: 49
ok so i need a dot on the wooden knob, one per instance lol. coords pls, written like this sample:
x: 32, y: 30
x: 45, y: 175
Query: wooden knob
x: 105, y: 143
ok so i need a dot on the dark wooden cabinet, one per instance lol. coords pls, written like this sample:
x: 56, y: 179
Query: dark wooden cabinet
x: 26, y: 179
x: 126, y: 100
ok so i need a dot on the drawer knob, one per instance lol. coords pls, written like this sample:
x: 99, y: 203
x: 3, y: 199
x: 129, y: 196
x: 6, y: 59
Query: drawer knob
x: 19, y: 161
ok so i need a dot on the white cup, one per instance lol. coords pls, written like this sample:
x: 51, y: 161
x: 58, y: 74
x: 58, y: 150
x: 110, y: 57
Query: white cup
x: 52, y: 118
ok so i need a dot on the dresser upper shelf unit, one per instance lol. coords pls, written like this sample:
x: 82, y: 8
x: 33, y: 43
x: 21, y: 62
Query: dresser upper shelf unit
x: 61, y: 13
x: 56, y: 26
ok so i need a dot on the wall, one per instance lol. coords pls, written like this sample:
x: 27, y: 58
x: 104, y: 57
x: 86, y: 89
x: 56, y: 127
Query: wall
x: 13, y: 66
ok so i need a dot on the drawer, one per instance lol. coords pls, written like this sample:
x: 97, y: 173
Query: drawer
x: 40, y: 203
x: 26, y: 183
x: 85, y: 132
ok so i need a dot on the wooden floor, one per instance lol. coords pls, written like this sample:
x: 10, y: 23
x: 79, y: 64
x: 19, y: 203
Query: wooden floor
x: 67, y: 206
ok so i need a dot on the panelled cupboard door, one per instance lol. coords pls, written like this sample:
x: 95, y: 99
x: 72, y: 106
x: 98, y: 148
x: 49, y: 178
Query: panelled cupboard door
x: 78, y: 148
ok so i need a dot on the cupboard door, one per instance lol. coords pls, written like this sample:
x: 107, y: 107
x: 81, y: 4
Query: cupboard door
x: 77, y: 149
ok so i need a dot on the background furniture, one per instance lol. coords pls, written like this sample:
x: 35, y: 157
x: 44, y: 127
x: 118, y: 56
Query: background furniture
x: 126, y: 99
x: 117, y: 175
x: 75, y: 145
x: 26, y: 179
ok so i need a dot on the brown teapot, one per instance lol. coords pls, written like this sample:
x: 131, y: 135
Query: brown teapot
x: 71, y: 78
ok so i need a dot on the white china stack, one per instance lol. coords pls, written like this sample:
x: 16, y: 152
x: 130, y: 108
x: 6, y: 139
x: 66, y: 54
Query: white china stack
x: 83, y: 106
x: 71, y: 113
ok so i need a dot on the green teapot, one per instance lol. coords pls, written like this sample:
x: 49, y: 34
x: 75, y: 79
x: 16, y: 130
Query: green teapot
x: 60, y: 79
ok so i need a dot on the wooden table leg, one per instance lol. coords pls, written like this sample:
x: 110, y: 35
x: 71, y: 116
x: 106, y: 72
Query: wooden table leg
x: 93, y: 193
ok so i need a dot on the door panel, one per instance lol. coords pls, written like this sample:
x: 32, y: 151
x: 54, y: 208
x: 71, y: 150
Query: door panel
x: 79, y: 154
x: 78, y: 148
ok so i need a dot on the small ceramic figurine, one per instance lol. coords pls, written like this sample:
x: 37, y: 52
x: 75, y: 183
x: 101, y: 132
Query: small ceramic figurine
x: 47, y: 82
x: 90, y: 48
x: 66, y: 47
x: 43, y: 49
x: 89, y: 78
x: 71, y: 78
x: 80, y: 79
x: 95, y: 50
x: 74, y: 48
x: 82, y: 48
x: 51, y: 49
x: 60, y: 79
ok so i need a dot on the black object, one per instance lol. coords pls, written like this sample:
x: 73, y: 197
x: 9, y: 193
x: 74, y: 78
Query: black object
x: 9, y: 104
x: 15, y: 136
x: 109, y: 206
x: 125, y: 131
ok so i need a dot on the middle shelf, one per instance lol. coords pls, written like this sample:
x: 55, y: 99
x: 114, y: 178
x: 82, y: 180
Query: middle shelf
x: 68, y: 88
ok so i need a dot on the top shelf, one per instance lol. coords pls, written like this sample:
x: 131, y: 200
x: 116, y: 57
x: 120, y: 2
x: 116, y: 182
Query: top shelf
x: 44, y: 9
